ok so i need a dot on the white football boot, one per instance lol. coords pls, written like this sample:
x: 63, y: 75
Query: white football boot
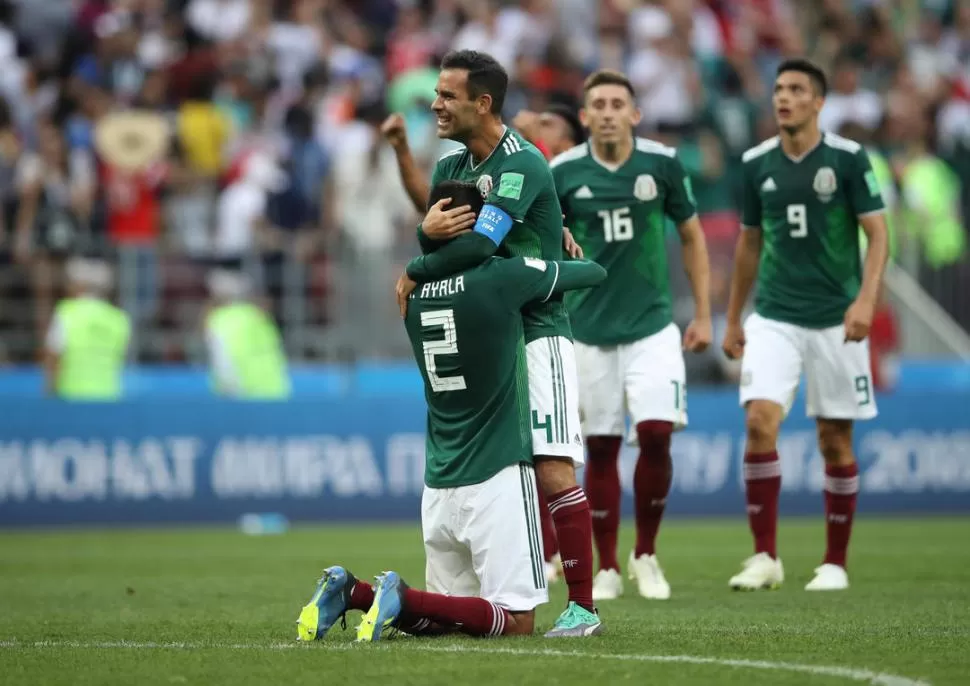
x: 646, y: 571
x: 760, y: 571
x: 607, y: 585
x: 829, y: 577
x: 553, y: 569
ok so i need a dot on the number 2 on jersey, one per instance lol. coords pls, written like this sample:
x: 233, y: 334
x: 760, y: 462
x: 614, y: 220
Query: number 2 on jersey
x: 617, y: 224
x: 798, y: 216
x: 445, y: 320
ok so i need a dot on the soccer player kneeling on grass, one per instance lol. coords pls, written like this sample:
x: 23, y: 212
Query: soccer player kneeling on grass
x: 479, y: 511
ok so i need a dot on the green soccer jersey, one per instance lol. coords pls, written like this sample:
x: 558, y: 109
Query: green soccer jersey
x: 808, y: 209
x: 516, y: 178
x: 467, y: 336
x: 617, y: 215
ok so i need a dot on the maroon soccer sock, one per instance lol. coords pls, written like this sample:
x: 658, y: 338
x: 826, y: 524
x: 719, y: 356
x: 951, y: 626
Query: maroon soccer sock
x: 570, y: 512
x: 603, y: 491
x: 361, y: 596
x: 550, y: 546
x: 841, y: 491
x: 473, y: 616
x: 762, y: 479
x: 651, y: 482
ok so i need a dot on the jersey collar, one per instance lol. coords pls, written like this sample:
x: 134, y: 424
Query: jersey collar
x: 471, y: 162
x: 805, y: 154
x: 607, y: 165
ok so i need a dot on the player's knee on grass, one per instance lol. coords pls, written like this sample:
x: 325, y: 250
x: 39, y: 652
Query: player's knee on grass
x: 520, y: 623
x: 835, y: 441
x: 762, y: 420
x: 555, y: 474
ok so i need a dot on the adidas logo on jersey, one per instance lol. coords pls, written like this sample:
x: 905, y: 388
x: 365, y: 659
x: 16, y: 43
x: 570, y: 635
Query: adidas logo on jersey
x: 768, y: 185
x: 583, y: 193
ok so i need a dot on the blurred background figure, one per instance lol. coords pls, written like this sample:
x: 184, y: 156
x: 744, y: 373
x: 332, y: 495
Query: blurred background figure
x: 86, y: 344
x: 246, y: 355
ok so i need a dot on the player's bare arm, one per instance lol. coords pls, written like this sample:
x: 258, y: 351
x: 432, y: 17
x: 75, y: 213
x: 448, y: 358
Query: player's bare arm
x: 414, y: 180
x: 858, y: 318
x: 698, y: 267
x: 747, y: 252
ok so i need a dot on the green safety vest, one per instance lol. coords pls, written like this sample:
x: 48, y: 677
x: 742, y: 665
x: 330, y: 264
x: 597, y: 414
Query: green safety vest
x: 95, y: 343
x: 255, y: 349
x: 884, y: 176
x: 937, y: 221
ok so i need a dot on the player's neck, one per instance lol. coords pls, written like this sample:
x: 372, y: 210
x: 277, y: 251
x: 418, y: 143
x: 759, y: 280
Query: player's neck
x: 614, y: 154
x: 796, y: 143
x: 483, y: 142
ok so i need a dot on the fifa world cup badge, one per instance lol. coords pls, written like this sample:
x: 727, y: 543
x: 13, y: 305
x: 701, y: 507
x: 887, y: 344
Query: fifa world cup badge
x: 825, y: 183
x: 484, y: 185
x: 645, y: 188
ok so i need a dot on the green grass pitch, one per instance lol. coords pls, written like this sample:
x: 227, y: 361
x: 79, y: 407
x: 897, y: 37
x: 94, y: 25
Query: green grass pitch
x: 212, y: 606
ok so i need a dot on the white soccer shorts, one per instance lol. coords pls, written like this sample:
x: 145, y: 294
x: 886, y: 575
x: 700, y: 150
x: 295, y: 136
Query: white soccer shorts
x: 646, y: 378
x: 483, y: 540
x: 837, y: 374
x: 554, y: 399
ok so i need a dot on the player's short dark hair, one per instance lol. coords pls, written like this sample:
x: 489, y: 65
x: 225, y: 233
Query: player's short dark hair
x: 607, y: 77
x: 810, y: 69
x: 576, y: 130
x: 460, y: 192
x: 485, y: 75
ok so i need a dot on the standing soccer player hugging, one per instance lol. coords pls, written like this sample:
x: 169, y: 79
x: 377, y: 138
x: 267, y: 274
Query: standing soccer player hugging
x: 479, y: 509
x: 805, y: 192
x: 521, y: 217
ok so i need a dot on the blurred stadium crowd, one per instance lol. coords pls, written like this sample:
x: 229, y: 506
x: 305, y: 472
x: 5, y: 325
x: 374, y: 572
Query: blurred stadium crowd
x: 264, y: 120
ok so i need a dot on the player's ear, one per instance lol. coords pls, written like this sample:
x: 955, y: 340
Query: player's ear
x: 483, y: 104
x: 583, y: 119
x: 637, y: 116
x: 819, y: 102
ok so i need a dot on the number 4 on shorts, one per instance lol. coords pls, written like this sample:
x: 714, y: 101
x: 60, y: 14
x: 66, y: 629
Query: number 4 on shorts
x: 547, y: 425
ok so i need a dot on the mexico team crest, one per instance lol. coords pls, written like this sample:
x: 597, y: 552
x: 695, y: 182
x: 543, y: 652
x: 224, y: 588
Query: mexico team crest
x: 645, y: 188
x: 825, y: 183
x: 484, y: 185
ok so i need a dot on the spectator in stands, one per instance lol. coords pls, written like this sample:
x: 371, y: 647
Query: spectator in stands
x: 371, y: 209
x: 132, y: 147
x: 56, y: 192
x: 219, y: 20
x: 243, y: 230
x: 848, y: 101
x: 86, y: 344
x: 244, y: 346
x: 931, y: 195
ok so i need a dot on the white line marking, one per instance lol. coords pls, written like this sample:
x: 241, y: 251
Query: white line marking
x: 849, y: 673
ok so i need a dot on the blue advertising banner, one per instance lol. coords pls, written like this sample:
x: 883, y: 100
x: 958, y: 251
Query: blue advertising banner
x: 361, y: 458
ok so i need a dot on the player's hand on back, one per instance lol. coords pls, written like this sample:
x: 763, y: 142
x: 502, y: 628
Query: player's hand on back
x: 394, y: 131
x: 570, y: 245
x: 698, y: 335
x: 733, y: 345
x: 405, y: 286
x: 858, y: 320
x: 444, y: 224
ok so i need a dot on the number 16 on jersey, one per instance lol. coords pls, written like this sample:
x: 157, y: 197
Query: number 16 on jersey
x: 617, y: 224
